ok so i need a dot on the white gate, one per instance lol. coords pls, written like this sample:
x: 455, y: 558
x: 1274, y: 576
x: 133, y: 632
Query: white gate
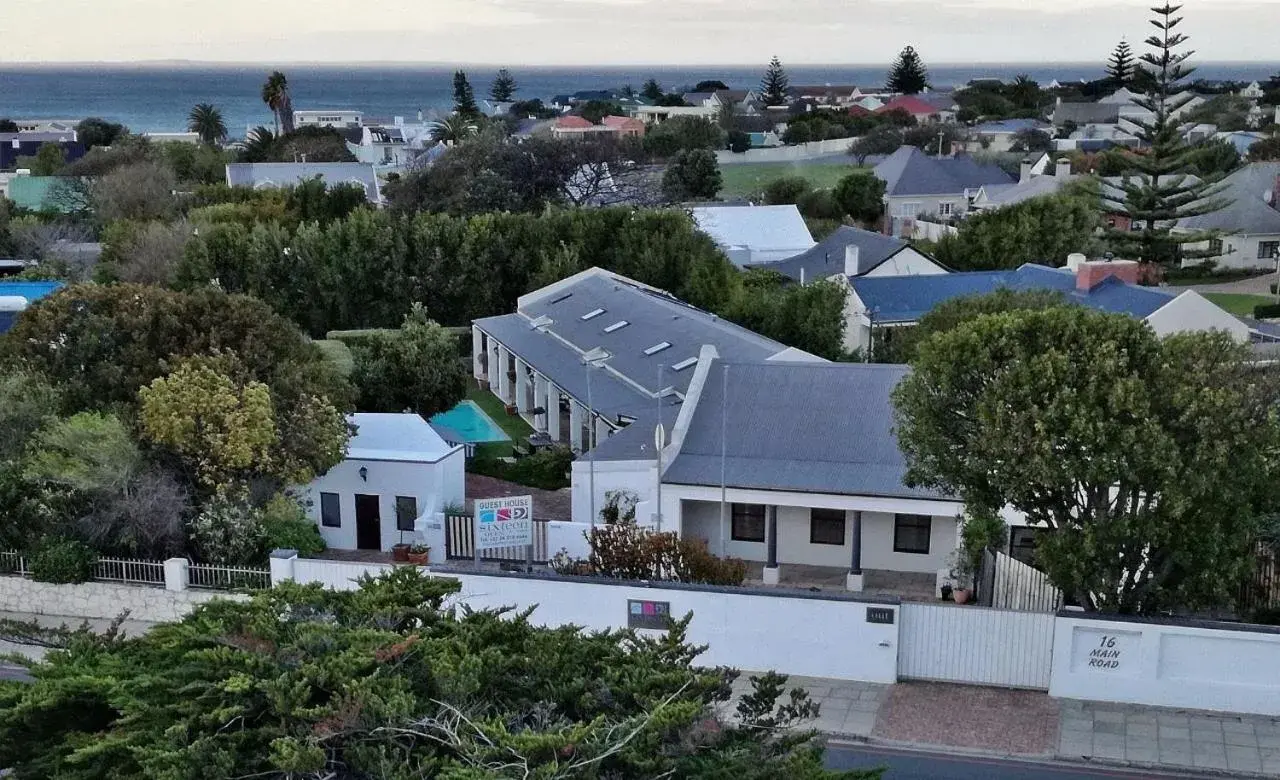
x: 971, y: 644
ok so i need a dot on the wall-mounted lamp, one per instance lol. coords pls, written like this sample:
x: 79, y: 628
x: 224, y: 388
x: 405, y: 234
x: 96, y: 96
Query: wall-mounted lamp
x: 364, y: 474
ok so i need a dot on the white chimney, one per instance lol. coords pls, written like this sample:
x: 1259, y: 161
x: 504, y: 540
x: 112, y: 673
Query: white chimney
x: 851, y: 260
x: 1024, y: 171
x: 1062, y: 168
x: 1074, y: 261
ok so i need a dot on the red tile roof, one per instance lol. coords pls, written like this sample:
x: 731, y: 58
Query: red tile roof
x: 909, y: 103
x: 620, y: 121
x: 573, y: 123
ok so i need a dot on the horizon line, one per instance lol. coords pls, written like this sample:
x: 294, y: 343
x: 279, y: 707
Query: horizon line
x: 496, y: 64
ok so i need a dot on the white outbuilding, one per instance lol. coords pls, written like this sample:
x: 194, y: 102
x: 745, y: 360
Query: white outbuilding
x: 398, y: 473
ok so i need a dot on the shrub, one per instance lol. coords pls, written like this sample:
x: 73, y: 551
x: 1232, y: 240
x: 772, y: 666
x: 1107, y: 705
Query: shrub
x: 785, y: 190
x: 545, y: 469
x: 629, y: 552
x: 228, y: 530
x: 820, y: 204
x: 285, y: 525
x: 63, y: 560
x: 1266, y: 310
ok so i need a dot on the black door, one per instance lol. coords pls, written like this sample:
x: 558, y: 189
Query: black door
x: 368, y: 525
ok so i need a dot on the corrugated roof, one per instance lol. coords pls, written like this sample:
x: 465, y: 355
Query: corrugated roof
x: 910, y: 171
x: 808, y: 427
x: 826, y: 258
x: 635, y: 442
x: 908, y: 298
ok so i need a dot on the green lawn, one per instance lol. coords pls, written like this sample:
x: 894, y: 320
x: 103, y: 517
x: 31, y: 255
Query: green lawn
x: 1239, y: 303
x: 743, y: 180
x: 513, y: 425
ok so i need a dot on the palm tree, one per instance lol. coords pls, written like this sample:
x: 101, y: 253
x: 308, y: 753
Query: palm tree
x: 275, y: 93
x: 257, y: 145
x: 206, y: 121
x: 452, y: 129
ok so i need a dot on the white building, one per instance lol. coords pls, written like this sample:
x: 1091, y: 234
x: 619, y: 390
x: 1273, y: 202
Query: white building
x: 657, y: 114
x: 851, y: 252
x: 750, y: 235
x: 328, y: 117
x: 1250, y: 221
x: 398, y: 474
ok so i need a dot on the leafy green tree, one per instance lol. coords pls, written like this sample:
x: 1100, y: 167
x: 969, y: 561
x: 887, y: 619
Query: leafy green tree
x: 503, y: 89
x: 861, y: 196
x: 881, y: 140
x: 258, y: 145
x: 694, y: 174
x: 908, y: 74
x: 1121, y: 66
x: 683, y: 133
x: 899, y: 344
x: 88, y: 452
x: 27, y: 403
x: 1040, y: 230
x: 316, y: 144
x: 413, y: 369
x: 738, y: 141
x: 7, y: 125
x: 1266, y: 149
x: 464, y: 97
x: 595, y: 110
x: 652, y: 90
x: 1031, y: 139
x: 95, y: 131
x: 275, y: 93
x: 140, y: 191
x: 453, y: 129
x: 1025, y: 93
x: 314, y: 200
x: 1147, y: 458
x: 1214, y: 158
x: 808, y: 317
x: 774, y: 85
x: 229, y: 530
x: 1156, y: 190
x: 786, y: 189
x: 710, y: 85
x: 386, y: 681
x: 48, y: 160
x: 206, y: 121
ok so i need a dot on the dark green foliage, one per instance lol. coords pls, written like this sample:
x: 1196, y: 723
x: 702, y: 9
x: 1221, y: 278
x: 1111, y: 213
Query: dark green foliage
x: 861, y: 196
x: 709, y: 85
x: 595, y: 110
x: 99, y: 132
x: 315, y: 201
x: 285, y: 526
x: 820, y: 204
x: 317, y: 144
x: 881, y: 140
x: 683, y: 133
x: 738, y: 141
x: 504, y: 87
x: 62, y: 560
x: 1040, y: 230
x: 651, y: 90
x: 898, y: 345
x: 413, y: 369
x: 693, y: 174
x: 1214, y: 158
x: 808, y: 317
x: 1121, y: 66
x: 546, y: 469
x: 908, y: 74
x: 1031, y: 140
x: 1266, y: 310
x: 8, y: 125
x: 386, y: 682
x: 773, y: 87
x: 464, y: 97
x: 785, y: 189
x: 1266, y: 149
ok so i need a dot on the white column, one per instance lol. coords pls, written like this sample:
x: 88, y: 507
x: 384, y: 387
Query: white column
x: 504, y: 381
x: 492, y: 370
x: 176, y: 574
x: 477, y: 351
x: 540, y: 400
x: 576, y: 412
x: 281, y: 562
x: 553, y: 412
x: 522, y: 388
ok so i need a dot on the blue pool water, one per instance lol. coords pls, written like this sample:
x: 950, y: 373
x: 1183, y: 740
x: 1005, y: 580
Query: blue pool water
x: 471, y: 423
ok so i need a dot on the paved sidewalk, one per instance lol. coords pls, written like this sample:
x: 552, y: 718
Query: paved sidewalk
x: 846, y: 709
x: 991, y: 720
x: 1154, y: 736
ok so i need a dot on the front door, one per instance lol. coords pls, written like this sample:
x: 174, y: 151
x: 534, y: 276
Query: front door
x: 368, y: 525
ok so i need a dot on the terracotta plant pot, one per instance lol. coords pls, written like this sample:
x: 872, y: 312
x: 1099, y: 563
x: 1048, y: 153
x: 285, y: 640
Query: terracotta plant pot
x: 400, y: 552
x: 419, y: 559
x: 961, y: 595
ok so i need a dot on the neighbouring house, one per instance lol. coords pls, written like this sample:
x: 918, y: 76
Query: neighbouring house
x: 328, y: 117
x: 27, y: 144
x: 571, y: 126
x: 47, y: 125
x: 915, y: 105
x: 1241, y: 139
x: 624, y: 126
x: 943, y: 102
x: 1079, y: 114
x: 391, y: 145
x: 850, y: 252
x: 496, y: 107
x: 397, y: 475
x: 755, y: 234
x: 877, y: 305
x: 1250, y: 220
x: 582, y: 358
x: 160, y: 137
x: 1036, y: 179
x: 1000, y: 136
x: 824, y: 94
x: 917, y: 184
x: 1253, y: 92
x: 657, y: 114
x: 48, y: 193
x: 742, y: 101
x: 784, y: 464
x: 281, y: 175
x: 17, y: 296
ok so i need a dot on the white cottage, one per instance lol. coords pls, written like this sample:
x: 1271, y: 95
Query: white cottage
x: 397, y: 470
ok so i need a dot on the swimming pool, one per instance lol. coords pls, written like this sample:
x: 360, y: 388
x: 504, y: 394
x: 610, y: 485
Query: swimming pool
x: 471, y: 422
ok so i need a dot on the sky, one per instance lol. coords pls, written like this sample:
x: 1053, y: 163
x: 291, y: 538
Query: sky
x: 605, y: 32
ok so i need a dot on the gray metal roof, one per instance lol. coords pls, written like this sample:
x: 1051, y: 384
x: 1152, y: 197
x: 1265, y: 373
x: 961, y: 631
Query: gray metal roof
x: 1247, y: 213
x: 910, y: 171
x: 635, y: 442
x: 826, y: 258
x: 1086, y: 113
x: 806, y: 427
x: 259, y: 175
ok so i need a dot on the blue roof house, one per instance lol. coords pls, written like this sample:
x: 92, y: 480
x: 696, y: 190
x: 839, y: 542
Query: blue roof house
x: 17, y: 296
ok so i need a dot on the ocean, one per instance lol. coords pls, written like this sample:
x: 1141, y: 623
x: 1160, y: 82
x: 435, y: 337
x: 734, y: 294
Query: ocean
x: 158, y: 97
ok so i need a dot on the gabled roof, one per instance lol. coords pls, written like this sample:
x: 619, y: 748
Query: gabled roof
x: 1009, y: 126
x: 757, y: 227
x: 572, y: 122
x: 399, y: 437
x: 260, y: 175
x: 1085, y: 113
x: 826, y: 258
x: 910, y: 171
x: 1247, y: 213
x: 909, y: 103
x: 908, y: 298
x: 807, y: 427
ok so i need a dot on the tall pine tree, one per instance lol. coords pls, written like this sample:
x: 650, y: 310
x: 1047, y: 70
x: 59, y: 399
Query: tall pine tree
x: 503, y: 88
x: 1157, y: 188
x: 773, y: 87
x: 908, y: 74
x: 1120, y: 66
x: 464, y: 98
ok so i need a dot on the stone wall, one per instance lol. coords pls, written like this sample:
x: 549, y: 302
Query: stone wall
x: 101, y: 600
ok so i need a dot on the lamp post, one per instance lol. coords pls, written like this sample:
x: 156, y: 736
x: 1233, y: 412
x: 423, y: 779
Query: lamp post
x: 659, y: 439
x: 593, y: 359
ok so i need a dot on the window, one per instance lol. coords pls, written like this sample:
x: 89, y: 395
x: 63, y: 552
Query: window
x: 944, y: 209
x: 826, y: 526
x: 909, y: 209
x: 1022, y: 544
x: 656, y: 348
x: 683, y: 364
x: 330, y: 511
x: 591, y: 314
x: 911, y: 533
x: 1268, y: 250
x: 1215, y: 246
x: 406, y: 512
x: 748, y: 523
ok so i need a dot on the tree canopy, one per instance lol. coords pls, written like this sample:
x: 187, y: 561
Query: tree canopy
x: 386, y: 681
x: 1148, y: 458
x: 504, y: 87
x: 694, y: 174
x: 1121, y: 65
x: 773, y: 87
x: 415, y: 368
x: 908, y: 74
x: 464, y: 97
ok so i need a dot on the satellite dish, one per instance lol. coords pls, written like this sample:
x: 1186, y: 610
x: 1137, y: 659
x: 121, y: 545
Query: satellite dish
x: 1268, y: 196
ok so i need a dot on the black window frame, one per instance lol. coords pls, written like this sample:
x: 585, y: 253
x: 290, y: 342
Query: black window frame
x: 819, y: 516
x: 1273, y: 247
x: 899, y: 525
x: 399, y: 519
x: 324, y: 510
x: 747, y: 513
x: 1023, y: 538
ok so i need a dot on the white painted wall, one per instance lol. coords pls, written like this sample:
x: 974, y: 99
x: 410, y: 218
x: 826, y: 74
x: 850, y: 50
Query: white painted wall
x: 907, y: 262
x: 975, y: 645
x: 1191, y: 311
x: 934, y: 231
x: 1168, y: 665
x: 797, y: 152
x: 638, y: 476
x: 434, y: 485
x: 102, y: 600
x: 570, y: 537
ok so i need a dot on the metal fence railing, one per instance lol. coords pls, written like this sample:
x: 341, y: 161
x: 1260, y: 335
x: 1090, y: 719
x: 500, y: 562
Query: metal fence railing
x: 214, y: 577
x: 459, y: 542
x: 132, y: 572
x: 12, y: 562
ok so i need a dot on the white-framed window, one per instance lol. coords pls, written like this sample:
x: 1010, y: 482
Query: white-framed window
x: 944, y: 208
x: 908, y: 209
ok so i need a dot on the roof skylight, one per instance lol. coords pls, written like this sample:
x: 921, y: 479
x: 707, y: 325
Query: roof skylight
x: 592, y: 314
x: 683, y: 364
x: 619, y: 325
x: 656, y: 348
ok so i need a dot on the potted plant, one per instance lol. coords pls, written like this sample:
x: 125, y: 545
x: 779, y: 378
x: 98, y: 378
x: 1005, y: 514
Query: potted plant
x: 400, y: 552
x: 419, y: 554
x: 963, y: 569
x: 946, y: 592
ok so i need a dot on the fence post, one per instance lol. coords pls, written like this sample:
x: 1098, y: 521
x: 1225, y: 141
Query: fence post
x: 281, y: 562
x: 176, y: 574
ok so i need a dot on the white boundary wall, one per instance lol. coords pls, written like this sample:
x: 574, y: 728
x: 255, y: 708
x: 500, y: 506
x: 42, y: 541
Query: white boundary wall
x: 976, y: 645
x: 1207, y: 666
x: 103, y: 600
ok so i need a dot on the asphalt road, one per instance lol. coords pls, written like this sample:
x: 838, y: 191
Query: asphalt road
x: 916, y: 765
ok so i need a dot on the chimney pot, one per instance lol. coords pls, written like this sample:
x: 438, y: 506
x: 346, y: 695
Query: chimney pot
x: 1024, y: 171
